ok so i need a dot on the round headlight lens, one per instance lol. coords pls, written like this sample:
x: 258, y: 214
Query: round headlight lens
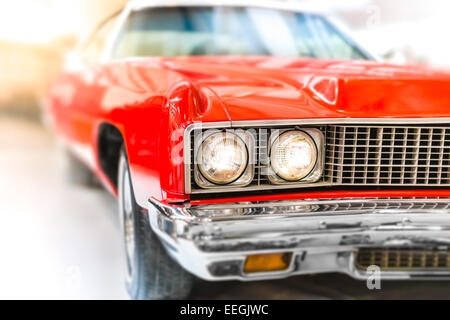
x: 293, y: 155
x: 222, y: 158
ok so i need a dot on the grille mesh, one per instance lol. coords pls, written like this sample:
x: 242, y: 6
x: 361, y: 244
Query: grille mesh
x: 388, y: 155
x: 402, y: 259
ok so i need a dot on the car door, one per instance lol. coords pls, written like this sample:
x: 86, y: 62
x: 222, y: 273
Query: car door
x: 88, y: 88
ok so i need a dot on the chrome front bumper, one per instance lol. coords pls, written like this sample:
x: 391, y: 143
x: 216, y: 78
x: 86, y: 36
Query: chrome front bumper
x: 213, y: 241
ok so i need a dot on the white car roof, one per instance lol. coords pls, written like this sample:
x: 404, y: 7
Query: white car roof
x: 307, y: 6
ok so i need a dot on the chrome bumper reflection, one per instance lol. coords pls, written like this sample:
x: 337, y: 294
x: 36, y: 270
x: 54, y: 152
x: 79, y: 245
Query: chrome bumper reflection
x: 213, y: 241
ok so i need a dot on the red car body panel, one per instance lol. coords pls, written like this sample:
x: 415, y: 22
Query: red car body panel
x: 151, y: 101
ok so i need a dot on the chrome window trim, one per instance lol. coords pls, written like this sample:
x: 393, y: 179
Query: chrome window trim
x: 280, y: 124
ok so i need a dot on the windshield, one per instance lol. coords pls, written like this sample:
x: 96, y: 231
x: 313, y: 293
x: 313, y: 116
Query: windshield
x: 218, y: 31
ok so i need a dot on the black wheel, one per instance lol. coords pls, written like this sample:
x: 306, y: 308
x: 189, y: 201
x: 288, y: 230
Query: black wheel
x: 151, y: 273
x: 78, y: 174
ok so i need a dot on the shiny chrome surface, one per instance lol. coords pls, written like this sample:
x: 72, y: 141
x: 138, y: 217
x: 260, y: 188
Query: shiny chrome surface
x: 322, y: 206
x: 386, y: 155
x: 373, y: 152
x: 215, y: 245
x: 265, y: 168
x: 263, y: 178
x: 245, y: 178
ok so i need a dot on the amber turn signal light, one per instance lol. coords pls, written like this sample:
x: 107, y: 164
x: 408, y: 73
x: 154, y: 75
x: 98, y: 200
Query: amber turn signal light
x: 267, y: 262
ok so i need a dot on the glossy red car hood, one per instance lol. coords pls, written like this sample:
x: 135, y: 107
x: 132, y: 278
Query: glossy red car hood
x: 255, y: 88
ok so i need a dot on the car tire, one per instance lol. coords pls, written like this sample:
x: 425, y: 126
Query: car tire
x: 77, y: 173
x: 151, y: 274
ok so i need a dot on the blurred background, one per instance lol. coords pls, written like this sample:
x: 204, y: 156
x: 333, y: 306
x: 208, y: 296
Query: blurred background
x: 58, y: 241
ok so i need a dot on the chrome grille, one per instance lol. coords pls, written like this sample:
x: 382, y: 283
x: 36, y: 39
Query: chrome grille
x: 360, y: 155
x: 402, y: 259
x: 376, y: 155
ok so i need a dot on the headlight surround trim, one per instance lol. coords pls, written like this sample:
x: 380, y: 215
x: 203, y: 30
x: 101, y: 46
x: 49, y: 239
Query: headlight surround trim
x: 245, y: 177
x: 311, y: 165
x: 224, y: 135
x: 316, y: 173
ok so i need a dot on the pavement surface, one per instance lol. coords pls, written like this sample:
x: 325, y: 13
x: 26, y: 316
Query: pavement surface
x: 63, y: 242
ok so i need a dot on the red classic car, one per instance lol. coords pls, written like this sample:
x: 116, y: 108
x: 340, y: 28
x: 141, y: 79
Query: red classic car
x: 257, y: 141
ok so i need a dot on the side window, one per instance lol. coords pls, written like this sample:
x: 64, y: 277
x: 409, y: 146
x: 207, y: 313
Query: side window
x: 96, y: 43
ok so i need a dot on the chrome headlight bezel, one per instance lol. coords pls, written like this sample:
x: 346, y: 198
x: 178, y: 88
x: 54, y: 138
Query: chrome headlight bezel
x: 316, y: 172
x: 247, y: 175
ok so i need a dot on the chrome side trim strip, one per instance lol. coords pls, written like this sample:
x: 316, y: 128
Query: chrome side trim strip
x: 310, y: 207
x: 318, y: 207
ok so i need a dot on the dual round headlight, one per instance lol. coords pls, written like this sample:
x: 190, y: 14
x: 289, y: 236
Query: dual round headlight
x: 293, y: 155
x: 223, y: 157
